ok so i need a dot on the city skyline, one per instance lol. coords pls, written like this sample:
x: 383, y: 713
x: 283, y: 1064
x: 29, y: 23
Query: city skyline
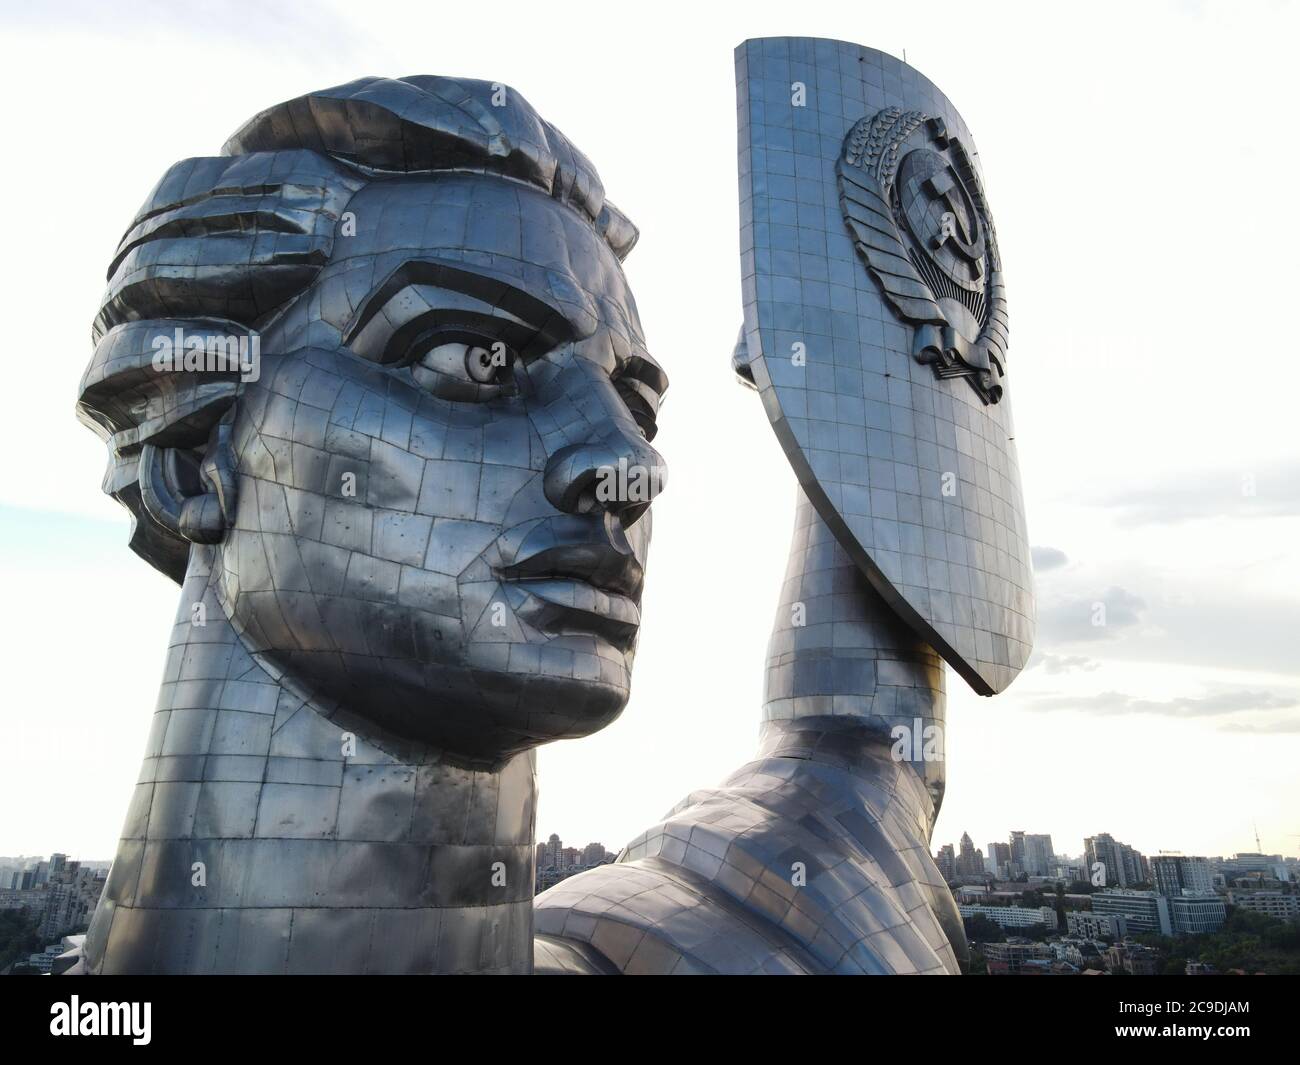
x: 981, y: 839
x: 1185, y: 909
x: 541, y: 840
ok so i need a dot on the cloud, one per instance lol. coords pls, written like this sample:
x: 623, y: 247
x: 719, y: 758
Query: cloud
x: 1269, y: 491
x: 1081, y: 619
x: 226, y: 20
x: 1287, y: 726
x: 1046, y: 558
x: 1056, y: 664
x: 1215, y: 705
x: 1206, y: 625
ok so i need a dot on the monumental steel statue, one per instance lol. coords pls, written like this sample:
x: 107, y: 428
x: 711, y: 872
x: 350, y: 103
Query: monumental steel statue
x: 360, y: 377
x: 875, y: 332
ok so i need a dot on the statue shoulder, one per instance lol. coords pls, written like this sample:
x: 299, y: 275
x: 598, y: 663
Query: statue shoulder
x: 788, y: 867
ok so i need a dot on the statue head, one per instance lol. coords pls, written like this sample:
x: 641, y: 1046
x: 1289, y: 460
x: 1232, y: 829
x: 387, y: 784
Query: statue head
x: 380, y: 363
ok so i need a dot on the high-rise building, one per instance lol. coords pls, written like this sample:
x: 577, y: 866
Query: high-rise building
x: 593, y: 854
x: 997, y: 858
x: 554, y: 852
x: 947, y: 862
x: 1122, y: 866
x: 1037, y: 855
x: 70, y: 900
x: 1174, y: 874
x: 1017, y: 845
x: 970, y: 861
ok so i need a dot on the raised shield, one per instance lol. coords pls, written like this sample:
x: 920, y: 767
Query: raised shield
x: 876, y: 332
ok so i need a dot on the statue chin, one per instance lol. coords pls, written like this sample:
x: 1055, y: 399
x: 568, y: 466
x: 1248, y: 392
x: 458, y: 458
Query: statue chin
x: 472, y: 717
x: 478, y: 702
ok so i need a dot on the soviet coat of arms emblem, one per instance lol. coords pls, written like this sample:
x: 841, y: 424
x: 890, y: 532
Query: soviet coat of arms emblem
x: 914, y: 203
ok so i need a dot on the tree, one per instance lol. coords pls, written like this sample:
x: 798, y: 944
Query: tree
x: 982, y: 929
x: 1251, y: 942
x: 18, y: 937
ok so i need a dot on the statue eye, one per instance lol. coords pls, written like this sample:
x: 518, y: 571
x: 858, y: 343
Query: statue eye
x: 485, y: 365
x: 471, y: 370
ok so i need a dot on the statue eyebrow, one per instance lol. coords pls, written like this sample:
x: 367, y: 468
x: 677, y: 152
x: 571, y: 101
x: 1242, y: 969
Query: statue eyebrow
x: 384, y: 319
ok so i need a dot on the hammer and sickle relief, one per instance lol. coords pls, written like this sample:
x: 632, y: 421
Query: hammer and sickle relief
x: 959, y: 227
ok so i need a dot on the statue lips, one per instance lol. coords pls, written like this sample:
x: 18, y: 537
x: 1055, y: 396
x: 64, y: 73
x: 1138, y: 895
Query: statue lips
x: 584, y: 584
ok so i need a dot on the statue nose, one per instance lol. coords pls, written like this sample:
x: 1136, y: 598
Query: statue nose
x: 619, y: 475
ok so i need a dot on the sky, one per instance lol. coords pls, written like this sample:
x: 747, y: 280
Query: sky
x: 1132, y: 156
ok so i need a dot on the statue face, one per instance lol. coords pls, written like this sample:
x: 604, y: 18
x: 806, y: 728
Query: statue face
x: 443, y: 471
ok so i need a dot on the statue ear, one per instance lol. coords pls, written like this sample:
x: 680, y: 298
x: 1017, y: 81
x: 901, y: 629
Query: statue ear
x: 191, y: 496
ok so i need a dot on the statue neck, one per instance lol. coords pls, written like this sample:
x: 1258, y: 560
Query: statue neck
x: 841, y: 663
x: 265, y: 837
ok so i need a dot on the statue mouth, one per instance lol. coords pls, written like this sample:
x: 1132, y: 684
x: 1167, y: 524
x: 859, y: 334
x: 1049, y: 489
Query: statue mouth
x: 590, y: 587
x: 565, y: 607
